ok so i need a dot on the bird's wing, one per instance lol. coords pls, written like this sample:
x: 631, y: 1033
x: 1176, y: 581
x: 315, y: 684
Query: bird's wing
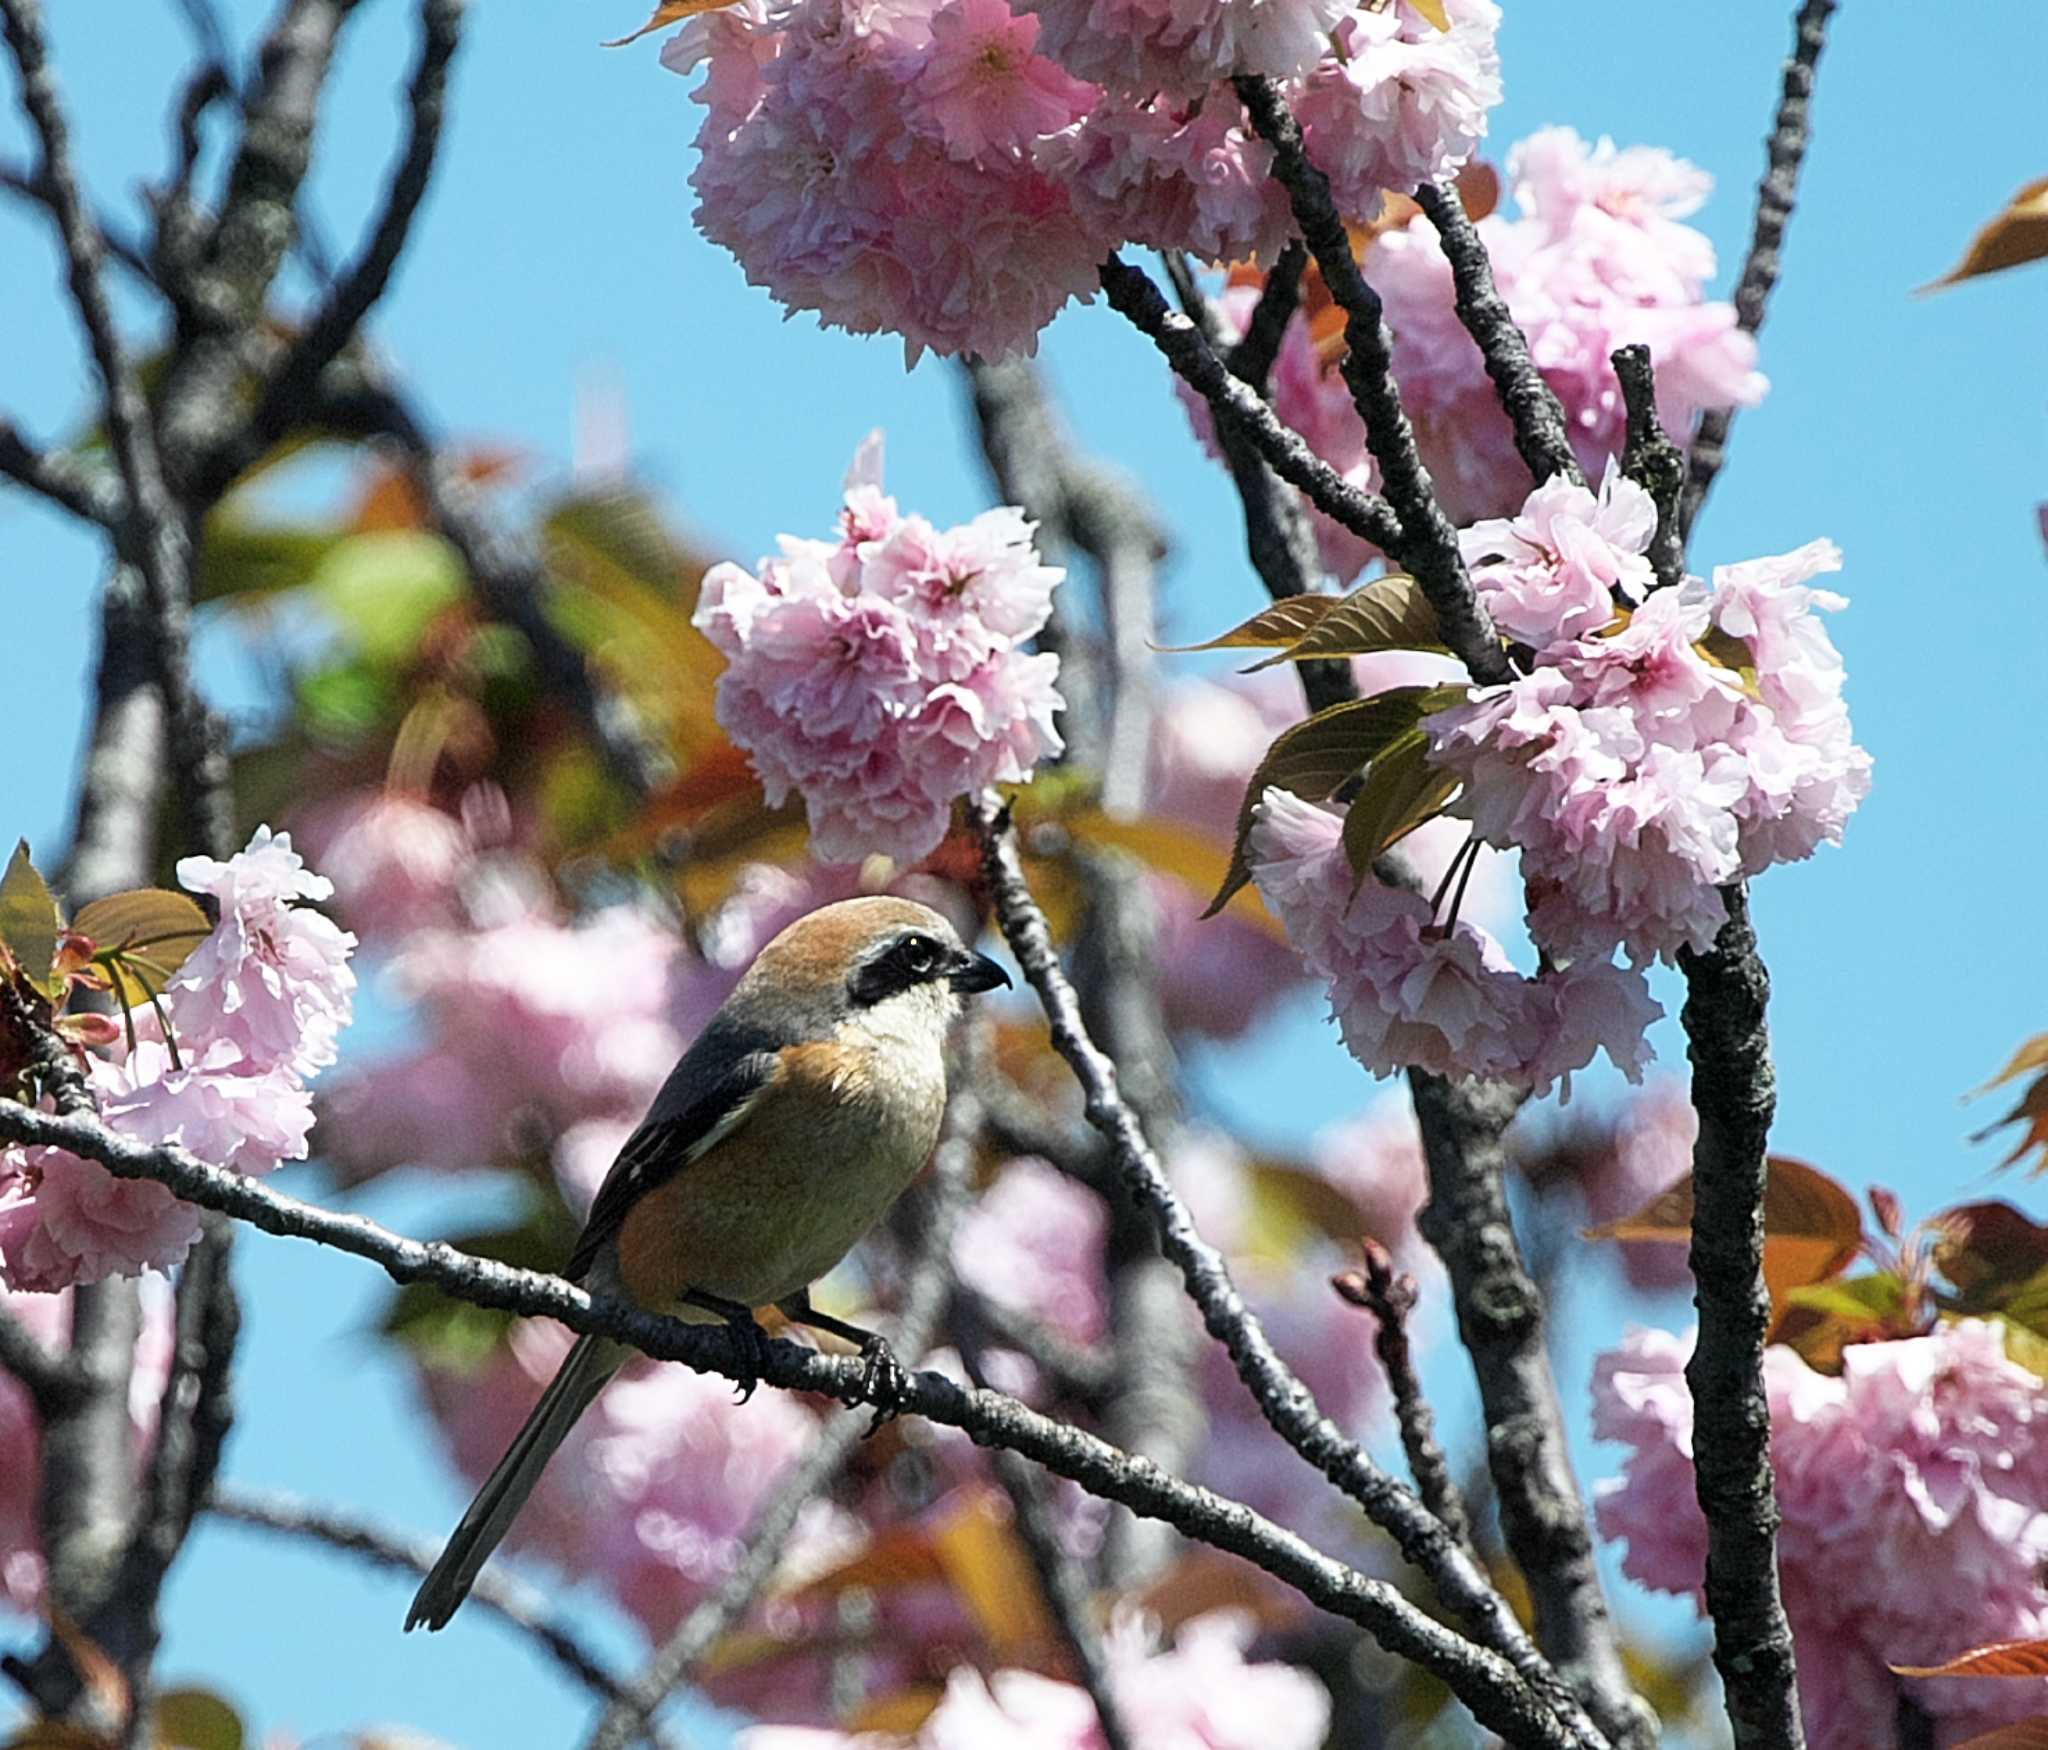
x: 707, y: 1098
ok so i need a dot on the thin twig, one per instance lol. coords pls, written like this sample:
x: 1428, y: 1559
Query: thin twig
x: 1288, y: 1406
x: 66, y: 482
x: 1652, y: 460
x: 118, y: 247
x: 1251, y: 359
x: 1493, y: 1689
x: 1389, y: 1295
x: 1734, y: 1090
x: 927, y: 1284
x: 1786, y: 146
x: 1135, y: 297
x: 1073, y: 1369
x: 1532, y: 407
x: 520, y: 1605
x: 1428, y: 544
x: 1500, y: 1320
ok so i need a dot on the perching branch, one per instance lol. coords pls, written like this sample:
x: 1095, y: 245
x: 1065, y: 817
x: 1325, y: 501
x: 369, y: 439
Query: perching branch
x: 1427, y: 544
x: 1495, y: 1692
x: 1532, y: 407
x: 1285, y: 1402
x: 521, y: 1606
x: 1652, y: 461
x: 1789, y: 137
x: 1500, y: 1320
x: 1134, y: 296
x: 926, y: 1286
x: 1389, y: 1295
x: 1734, y: 1090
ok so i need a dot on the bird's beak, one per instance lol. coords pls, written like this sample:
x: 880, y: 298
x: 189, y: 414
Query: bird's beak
x: 972, y: 973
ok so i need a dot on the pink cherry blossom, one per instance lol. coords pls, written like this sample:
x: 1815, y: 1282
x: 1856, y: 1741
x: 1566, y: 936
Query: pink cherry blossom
x: 1182, y: 47
x: 394, y: 860
x: 1555, y: 570
x: 1033, y: 1242
x: 1927, y: 1456
x: 882, y: 677
x: 984, y: 90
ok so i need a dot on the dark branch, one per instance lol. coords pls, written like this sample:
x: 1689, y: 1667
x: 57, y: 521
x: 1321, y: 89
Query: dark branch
x: 1652, y: 460
x: 523, y: 1607
x: 1775, y: 194
x: 48, y: 1379
x: 1389, y: 1295
x: 67, y: 483
x: 1734, y: 1090
x: 1251, y: 359
x: 1500, y: 1319
x: 1541, y: 434
x: 1287, y: 1404
x: 1428, y: 544
x: 1134, y: 296
x: 1495, y: 1692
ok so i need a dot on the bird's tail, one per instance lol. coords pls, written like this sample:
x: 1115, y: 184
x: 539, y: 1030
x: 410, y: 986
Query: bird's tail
x: 581, y: 1377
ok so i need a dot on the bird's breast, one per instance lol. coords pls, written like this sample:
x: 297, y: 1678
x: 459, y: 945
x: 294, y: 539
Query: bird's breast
x: 823, y: 1151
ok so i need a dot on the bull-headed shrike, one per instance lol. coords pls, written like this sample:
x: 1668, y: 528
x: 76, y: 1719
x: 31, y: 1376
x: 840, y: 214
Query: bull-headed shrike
x: 812, y: 1098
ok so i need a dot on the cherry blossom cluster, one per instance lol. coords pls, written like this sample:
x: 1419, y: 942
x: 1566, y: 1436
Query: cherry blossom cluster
x: 1655, y: 754
x: 255, y: 1011
x: 1599, y: 258
x: 954, y: 171
x: 1927, y: 1457
x: 883, y: 674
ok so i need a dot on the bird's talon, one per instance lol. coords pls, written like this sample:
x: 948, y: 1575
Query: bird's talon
x: 883, y: 1383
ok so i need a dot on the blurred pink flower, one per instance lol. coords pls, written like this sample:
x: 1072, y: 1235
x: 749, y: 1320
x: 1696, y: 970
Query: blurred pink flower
x: 1033, y: 1242
x: 1927, y: 1457
x: 883, y: 676
x: 395, y: 860
x: 47, y: 1318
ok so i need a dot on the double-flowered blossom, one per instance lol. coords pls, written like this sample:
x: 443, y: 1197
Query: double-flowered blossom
x: 1407, y: 993
x: 1599, y: 258
x: 883, y: 674
x: 255, y: 1010
x: 1927, y: 1457
x: 1654, y: 754
x: 954, y: 171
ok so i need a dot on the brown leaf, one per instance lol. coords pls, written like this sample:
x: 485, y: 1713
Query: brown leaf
x: 986, y: 1565
x: 667, y: 13
x: 29, y: 923
x: 2030, y: 1056
x: 899, y: 1714
x: 1291, y: 618
x: 2031, y: 1112
x: 1478, y: 188
x: 1813, y: 1228
x: 152, y: 931
x: 1981, y: 1247
x: 1389, y: 613
x: 1996, y: 1659
x: 1171, y: 849
x: 2017, y: 235
x: 1315, y: 757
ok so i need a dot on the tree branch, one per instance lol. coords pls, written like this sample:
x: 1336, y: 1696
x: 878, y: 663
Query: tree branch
x: 1285, y: 1402
x: 1734, y: 1090
x: 1495, y: 1692
x: 1500, y: 1320
x: 1775, y: 194
x: 67, y: 483
x: 1541, y: 434
x: 1652, y: 461
x: 1134, y: 296
x: 49, y: 1379
x: 522, y: 1606
x: 1428, y: 544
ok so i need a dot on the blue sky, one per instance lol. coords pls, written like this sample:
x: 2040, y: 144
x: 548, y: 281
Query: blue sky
x: 556, y: 249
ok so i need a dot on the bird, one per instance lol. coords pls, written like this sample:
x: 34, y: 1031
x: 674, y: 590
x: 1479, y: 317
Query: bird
x: 810, y: 1100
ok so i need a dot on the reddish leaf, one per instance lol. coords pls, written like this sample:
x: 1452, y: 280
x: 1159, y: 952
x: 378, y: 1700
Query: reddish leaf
x: 2031, y: 1056
x: 1985, y: 1247
x: 2030, y: 1112
x: 1290, y: 618
x: 667, y: 13
x: 2017, y: 235
x: 1998, y: 1659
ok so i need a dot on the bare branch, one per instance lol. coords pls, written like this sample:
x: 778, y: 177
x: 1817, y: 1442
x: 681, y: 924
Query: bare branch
x: 1652, y: 461
x: 363, y: 282
x: 1286, y: 1403
x: 1500, y: 1319
x: 1734, y: 1090
x: 1252, y: 357
x: 1428, y: 544
x: 1134, y: 296
x: 1496, y: 1693
x: 67, y: 483
x: 522, y: 1606
x: 1389, y: 1295
x: 47, y: 1378
x: 1789, y: 137
x: 1541, y: 434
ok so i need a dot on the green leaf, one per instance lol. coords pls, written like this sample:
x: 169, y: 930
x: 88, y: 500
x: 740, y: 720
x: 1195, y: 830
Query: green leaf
x: 144, y: 934
x: 1315, y: 757
x: 197, y: 1719
x: 1390, y: 613
x: 1402, y: 790
x: 385, y: 588
x: 242, y: 557
x: 29, y: 919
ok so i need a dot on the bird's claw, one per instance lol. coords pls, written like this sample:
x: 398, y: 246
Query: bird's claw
x: 883, y: 1382
x: 752, y: 1342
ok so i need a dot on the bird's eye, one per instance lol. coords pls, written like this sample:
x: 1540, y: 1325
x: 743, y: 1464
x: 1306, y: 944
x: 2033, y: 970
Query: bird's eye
x: 919, y: 954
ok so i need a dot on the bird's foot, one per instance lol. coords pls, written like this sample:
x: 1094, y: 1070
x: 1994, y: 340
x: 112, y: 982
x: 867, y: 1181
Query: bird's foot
x: 883, y: 1382
x: 753, y: 1347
